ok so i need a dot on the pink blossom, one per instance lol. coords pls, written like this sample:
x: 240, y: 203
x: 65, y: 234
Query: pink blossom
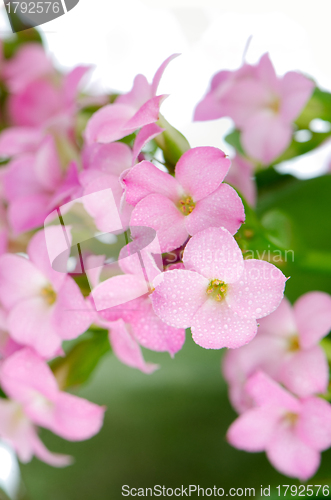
x: 241, y: 176
x: 124, y: 307
x: 218, y: 295
x: 291, y: 431
x: 37, y: 400
x: 45, y: 307
x: 34, y: 184
x: 7, y: 345
x: 131, y: 111
x: 192, y: 201
x: 286, y: 348
x: 4, y: 230
x: 262, y: 105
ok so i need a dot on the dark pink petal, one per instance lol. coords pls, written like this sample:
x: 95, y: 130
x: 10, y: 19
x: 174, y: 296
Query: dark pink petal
x: 72, y: 81
x: 290, y: 455
x: 178, y: 296
x: 19, y: 278
x: 201, y: 170
x: 76, y: 418
x: 138, y: 95
x: 306, y: 372
x: 312, y: 312
x: 267, y: 392
x: 148, y: 113
x: 222, y: 208
x: 215, y: 326
x: 106, y: 125
x: 253, y: 430
x: 30, y: 323
x: 145, y: 135
x: 280, y: 322
x: 266, y: 136
x: 314, y: 425
x: 28, y: 212
x: 127, y: 349
x: 296, y: 89
x: 25, y: 371
x: 20, y: 179
x: 259, y: 290
x: 154, y: 334
x: 160, y: 213
x: 71, y: 315
x: 215, y: 254
x: 159, y: 73
x: 144, y: 179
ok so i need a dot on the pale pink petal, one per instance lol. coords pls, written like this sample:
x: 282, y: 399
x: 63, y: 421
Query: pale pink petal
x: 19, y: 140
x: 209, y: 108
x: 119, y: 290
x: 106, y: 125
x: 291, y: 456
x: 148, y: 113
x: 314, y: 425
x: 71, y: 315
x: 280, y: 322
x: 30, y: 324
x: 159, y: 73
x: 266, y: 391
x: 265, y: 72
x: 259, y: 290
x: 178, y: 295
x: 19, y: 279
x: 222, y: 208
x: 215, y: 326
x: 17, y: 432
x: 24, y: 372
x: 138, y: 95
x: 266, y: 136
x: 306, y: 372
x: 111, y: 158
x: 312, y: 312
x: 53, y: 459
x: 144, y: 179
x: 47, y: 167
x: 145, y: 135
x: 72, y: 81
x: 127, y: 349
x: 241, y: 176
x: 296, y: 89
x: 201, y: 170
x: 28, y: 212
x: 215, y: 254
x: 154, y: 334
x: 76, y: 418
x: 160, y: 213
x: 20, y: 179
x: 253, y: 430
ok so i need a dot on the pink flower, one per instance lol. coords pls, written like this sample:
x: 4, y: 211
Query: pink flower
x: 286, y: 348
x: 241, y: 176
x: 291, y: 431
x: 45, y: 307
x: 7, y: 345
x: 30, y: 383
x: 35, y: 184
x: 192, y: 201
x: 124, y: 307
x: 219, y: 295
x: 262, y: 105
x: 131, y: 111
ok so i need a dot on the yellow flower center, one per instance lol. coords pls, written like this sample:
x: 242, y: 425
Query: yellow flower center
x: 291, y: 418
x: 48, y: 295
x: 293, y: 343
x: 275, y: 105
x: 186, y: 205
x: 217, y: 289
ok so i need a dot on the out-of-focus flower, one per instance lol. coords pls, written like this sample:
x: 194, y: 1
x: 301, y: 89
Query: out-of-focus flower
x: 262, y: 105
x: 45, y: 307
x: 240, y: 176
x: 291, y: 431
x: 219, y: 295
x: 286, y: 348
x: 192, y: 201
x: 36, y: 399
x: 131, y: 111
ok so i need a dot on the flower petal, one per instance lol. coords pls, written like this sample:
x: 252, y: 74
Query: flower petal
x: 266, y: 391
x: 222, y: 208
x: 280, y: 322
x: 259, y: 291
x: 313, y: 317
x: 314, y: 425
x: 201, y: 170
x: 215, y: 254
x: 106, y: 125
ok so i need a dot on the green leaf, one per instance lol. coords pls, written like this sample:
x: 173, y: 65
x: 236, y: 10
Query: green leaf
x: 11, y: 45
x: 234, y: 140
x: 172, y: 143
x: 79, y: 363
x: 318, y: 106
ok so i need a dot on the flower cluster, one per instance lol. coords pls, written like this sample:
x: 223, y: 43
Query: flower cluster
x: 275, y: 383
